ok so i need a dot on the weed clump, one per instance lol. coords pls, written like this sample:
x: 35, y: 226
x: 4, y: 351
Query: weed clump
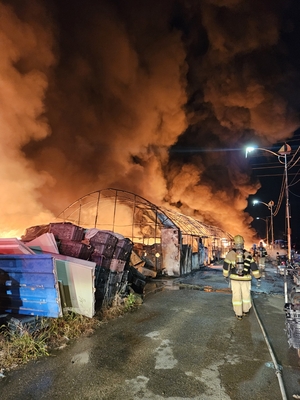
x: 119, y: 306
x: 21, y: 345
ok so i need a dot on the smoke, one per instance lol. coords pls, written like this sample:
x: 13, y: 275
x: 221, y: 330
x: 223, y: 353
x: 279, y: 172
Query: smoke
x: 157, y: 99
x: 25, y: 61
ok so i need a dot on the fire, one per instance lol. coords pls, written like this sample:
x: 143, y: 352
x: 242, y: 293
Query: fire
x: 100, y: 98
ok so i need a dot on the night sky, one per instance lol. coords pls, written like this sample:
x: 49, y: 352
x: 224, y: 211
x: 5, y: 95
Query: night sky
x: 155, y: 97
x: 270, y: 172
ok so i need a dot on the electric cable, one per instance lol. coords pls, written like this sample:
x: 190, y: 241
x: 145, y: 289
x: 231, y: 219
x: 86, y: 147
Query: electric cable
x: 276, y: 366
x: 292, y: 183
x: 280, y: 198
x: 292, y: 159
x: 294, y: 194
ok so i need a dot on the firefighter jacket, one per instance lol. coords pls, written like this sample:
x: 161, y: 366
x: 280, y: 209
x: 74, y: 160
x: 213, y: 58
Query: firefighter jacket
x: 249, y: 267
x: 261, y: 252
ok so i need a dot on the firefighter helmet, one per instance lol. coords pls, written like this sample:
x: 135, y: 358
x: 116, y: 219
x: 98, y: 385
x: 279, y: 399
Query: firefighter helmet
x: 239, y: 241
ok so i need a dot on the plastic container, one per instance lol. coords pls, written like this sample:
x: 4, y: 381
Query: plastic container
x: 123, y: 249
x: 104, y: 249
x: 102, y: 237
x: 67, y: 231
x: 117, y: 265
x: 75, y: 249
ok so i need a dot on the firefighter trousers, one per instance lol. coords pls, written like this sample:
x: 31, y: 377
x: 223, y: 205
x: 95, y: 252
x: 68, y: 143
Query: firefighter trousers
x: 241, y: 296
x: 261, y: 263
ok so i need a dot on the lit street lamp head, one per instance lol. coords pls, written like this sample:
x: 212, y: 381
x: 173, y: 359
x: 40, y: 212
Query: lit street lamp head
x: 269, y: 205
x: 264, y: 219
x: 249, y: 150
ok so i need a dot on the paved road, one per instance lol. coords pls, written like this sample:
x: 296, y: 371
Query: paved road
x: 180, y: 344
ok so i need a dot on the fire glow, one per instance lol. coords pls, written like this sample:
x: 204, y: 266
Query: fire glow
x: 109, y: 100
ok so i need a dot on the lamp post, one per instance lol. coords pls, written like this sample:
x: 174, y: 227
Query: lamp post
x: 270, y: 206
x: 282, y: 153
x: 267, y: 227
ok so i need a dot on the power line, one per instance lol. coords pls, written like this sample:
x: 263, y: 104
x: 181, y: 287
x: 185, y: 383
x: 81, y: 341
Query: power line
x: 294, y: 194
x: 273, y: 175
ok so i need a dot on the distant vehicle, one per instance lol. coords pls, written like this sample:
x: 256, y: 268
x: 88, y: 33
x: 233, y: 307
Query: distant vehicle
x: 296, y: 256
x: 281, y: 263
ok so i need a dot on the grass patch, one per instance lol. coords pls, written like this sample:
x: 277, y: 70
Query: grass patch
x: 21, y: 345
x: 121, y: 305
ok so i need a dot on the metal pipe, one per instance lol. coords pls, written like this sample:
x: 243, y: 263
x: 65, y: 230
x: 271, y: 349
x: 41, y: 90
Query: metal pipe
x: 272, y: 224
x: 115, y: 210
x: 287, y: 207
x: 97, y: 209
x: 276, y: 366
x: 286, y: 298
x: 267, y: 229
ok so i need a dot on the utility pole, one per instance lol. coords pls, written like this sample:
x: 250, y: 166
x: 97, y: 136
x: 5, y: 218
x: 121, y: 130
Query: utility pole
x: 285, y: 150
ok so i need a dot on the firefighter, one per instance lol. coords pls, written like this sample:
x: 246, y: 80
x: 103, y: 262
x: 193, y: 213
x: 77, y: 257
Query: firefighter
x: 239, y: 266
x: 261, y: 254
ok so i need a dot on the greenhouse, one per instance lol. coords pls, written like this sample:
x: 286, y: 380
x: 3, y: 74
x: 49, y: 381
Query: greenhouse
x: 173, y: 243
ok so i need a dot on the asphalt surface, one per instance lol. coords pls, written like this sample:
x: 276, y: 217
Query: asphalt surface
x: 184, y: 342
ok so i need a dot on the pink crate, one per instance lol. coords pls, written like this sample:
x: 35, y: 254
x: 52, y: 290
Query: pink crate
x: 67, y: 231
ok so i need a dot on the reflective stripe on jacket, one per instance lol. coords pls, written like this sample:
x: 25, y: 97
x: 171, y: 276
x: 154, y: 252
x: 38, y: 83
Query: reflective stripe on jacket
x: 250, y: 267
x: 261, y: 252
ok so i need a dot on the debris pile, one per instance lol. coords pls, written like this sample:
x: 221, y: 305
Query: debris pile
x: 62, y: 266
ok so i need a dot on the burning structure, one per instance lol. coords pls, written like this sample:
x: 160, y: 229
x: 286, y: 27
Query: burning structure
x: 107, y: 239
x: 171, y: 242
x: 198, y: 81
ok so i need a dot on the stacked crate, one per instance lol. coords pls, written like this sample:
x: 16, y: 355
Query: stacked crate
x: 69, y: 238
x: 123, y: 249
x: 103, y: 243
x: 137, y: 280
x: 101, y: 284
x: 75, y: 249
x: 67, y: 231
x: 121, y: 255
x: 110, y: 254
x: 118, y: 275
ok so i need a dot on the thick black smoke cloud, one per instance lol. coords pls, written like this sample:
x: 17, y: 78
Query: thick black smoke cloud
x: 154, y: 97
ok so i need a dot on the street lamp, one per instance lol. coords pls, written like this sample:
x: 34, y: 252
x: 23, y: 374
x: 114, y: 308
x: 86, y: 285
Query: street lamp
x: 282, y: 153
x: 270, y: 207
x: 267, y: 228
